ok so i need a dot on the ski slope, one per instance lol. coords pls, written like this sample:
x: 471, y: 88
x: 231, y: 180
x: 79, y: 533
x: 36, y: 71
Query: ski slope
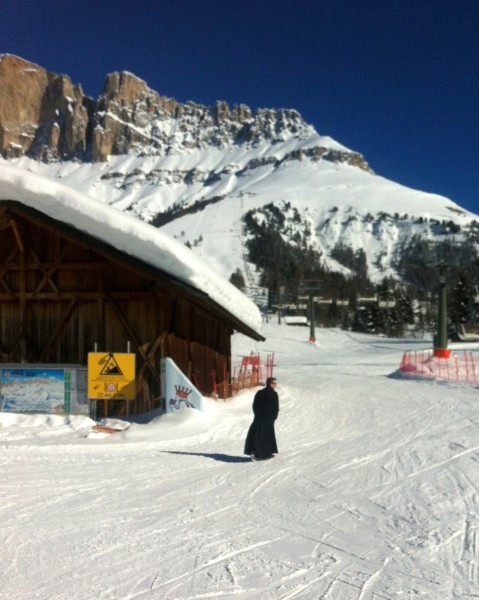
x: 374, y: 493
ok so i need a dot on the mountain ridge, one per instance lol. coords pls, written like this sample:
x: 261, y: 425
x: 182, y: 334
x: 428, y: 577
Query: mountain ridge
x: 44, y: 116
x: 197, y: 171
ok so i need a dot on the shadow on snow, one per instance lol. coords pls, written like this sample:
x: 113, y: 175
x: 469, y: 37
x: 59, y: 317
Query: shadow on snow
x: 215, y: 456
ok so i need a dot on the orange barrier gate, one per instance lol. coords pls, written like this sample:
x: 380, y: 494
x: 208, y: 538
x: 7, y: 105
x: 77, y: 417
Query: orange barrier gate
x: 251, y: 373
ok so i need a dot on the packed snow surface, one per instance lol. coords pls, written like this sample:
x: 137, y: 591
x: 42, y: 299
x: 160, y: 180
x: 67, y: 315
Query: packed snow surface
x: 374, y: 493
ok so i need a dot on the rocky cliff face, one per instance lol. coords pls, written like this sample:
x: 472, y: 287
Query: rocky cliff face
x: 44, y: 116
x: 41, y: 114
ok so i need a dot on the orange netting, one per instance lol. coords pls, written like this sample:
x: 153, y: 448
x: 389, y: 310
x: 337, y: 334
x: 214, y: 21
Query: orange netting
x: 462, y: 366
x: 252, y: 372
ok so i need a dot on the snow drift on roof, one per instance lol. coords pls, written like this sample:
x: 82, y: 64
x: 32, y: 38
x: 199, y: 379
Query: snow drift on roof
x: 127, y: 234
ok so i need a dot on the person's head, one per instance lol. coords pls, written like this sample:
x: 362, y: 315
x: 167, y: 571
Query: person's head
x: 271, y: 382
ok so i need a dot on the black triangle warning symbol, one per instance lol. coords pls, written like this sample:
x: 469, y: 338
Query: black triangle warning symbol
x: 111, y: 367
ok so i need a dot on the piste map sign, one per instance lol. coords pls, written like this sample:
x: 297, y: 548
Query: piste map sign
x: 111, y: 375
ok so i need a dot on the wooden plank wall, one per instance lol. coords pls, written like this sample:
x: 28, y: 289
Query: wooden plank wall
x: 59, y: 298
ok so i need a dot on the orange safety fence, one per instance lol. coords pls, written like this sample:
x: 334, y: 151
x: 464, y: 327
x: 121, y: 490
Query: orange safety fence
x: 462, y: 366
x: 252, y: 372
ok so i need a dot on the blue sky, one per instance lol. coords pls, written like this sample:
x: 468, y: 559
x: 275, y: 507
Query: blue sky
x: 396, y: 80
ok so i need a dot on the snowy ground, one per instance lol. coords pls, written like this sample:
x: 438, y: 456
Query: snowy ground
x: 373, y: 495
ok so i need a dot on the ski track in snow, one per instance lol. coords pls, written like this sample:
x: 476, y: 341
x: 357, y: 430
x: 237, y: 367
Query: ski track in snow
x: 373, y: 496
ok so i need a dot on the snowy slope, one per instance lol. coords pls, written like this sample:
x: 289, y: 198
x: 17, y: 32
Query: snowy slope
x: 334, y: 190
x: 206, y: 166
x: 373, y: 494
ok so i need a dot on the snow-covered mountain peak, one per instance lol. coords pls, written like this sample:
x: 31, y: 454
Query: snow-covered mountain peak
x: 198, y: 171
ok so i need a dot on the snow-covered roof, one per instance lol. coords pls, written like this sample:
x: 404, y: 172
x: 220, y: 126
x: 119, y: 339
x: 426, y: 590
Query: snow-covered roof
x: 127, y: 234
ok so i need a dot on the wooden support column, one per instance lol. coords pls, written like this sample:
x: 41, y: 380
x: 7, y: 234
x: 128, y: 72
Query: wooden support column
x: 101, y: 310
x: 59, y: 329
x: 23, y: 292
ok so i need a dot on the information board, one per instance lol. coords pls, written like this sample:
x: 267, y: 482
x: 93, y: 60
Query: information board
x: 43, y: 389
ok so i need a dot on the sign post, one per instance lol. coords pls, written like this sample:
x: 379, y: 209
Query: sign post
x: 311, y: 288
x: 312, y: 334
x: 442, y: 255
x: 440, y: 344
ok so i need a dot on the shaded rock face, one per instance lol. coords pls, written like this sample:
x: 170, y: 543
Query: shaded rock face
x: 41, y: 114
x: 122, y: 115
x: 44, y: 116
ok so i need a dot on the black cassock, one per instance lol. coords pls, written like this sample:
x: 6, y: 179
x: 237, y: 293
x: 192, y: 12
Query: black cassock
x: 261, y: 439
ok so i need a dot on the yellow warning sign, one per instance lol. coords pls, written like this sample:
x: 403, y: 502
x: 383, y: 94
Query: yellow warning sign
x: 111, y: 367
x: 111, y: 375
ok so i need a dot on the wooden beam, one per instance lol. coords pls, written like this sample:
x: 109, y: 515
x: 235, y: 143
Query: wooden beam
x: 59, y: 329
x: 6, y: 267
x: 17, y: 235
x: 101, y: 301
x: 134, y: 339
x: 3, y: 353
x: 84, y: 296
x: 47, y: 273
x: 66, y: 266
x: 23, y: 307
x: 151, y: 353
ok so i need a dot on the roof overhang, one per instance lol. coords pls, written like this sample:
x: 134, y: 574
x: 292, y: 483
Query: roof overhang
x: 168, y: 281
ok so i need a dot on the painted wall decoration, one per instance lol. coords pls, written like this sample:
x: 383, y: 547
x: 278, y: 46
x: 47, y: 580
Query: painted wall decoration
x: 177, y: 389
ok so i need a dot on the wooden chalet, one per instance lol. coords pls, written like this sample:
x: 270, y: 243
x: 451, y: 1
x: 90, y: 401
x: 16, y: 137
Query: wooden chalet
x: 64, y: 292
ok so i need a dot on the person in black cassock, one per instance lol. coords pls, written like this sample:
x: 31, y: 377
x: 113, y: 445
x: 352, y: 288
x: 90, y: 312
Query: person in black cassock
x: 261, y: 439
